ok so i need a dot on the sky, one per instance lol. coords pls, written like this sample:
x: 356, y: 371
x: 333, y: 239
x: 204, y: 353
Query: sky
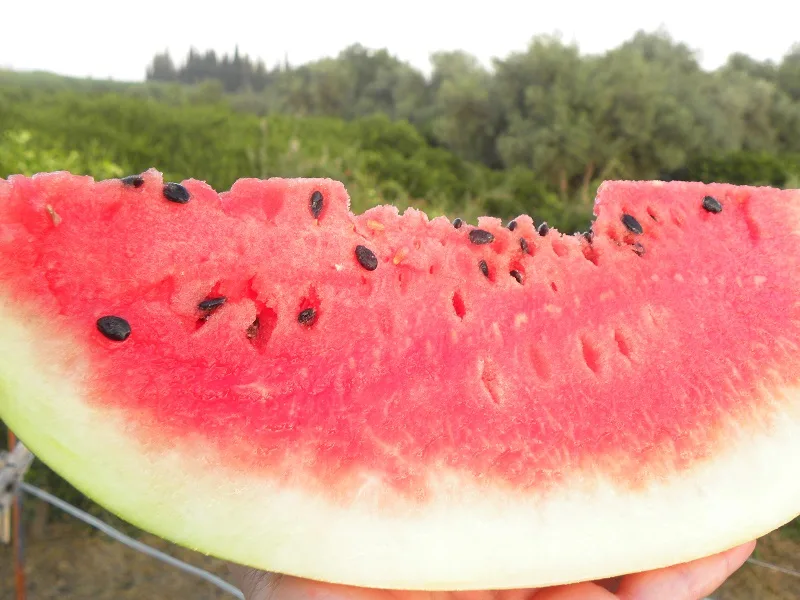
x: 90, y: 38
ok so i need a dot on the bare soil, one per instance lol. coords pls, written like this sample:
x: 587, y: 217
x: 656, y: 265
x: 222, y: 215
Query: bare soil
x: 69, y: 561
x: 72, y: 562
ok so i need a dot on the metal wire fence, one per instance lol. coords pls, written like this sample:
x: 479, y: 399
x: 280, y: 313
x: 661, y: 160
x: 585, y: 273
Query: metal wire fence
x: 129, y: 541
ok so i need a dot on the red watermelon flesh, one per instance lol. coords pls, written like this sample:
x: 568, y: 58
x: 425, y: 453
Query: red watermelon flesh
x: 388, y: 400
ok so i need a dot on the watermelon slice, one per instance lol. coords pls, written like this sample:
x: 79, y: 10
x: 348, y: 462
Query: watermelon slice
x: 392, y: 401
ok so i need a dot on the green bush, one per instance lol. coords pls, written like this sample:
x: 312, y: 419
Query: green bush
x: 21, y: 153
x: 175, y: 130
x: 740, y: 168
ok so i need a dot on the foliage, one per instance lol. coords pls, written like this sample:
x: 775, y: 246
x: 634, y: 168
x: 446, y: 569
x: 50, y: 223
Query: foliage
x: 536, y: 132
x: 636, y: 111
x: 740, y: 168
x: 21, y: 154
x: 380, y: 160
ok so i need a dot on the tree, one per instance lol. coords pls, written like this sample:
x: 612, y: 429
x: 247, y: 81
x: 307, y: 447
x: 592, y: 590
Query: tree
x: 789, y: 73
x: 464, y: 113
x: 543, y: 96
x: 162, y: 68
x: 381, y: 84
x: 659, y: 48
x: 747, y: 65
x: 637, y: 111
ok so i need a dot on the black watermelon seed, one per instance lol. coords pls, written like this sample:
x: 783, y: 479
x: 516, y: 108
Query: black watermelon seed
x: 307, y: 316
x: 175, y: 192
x: 212, y: 303
x: 512, y: 225
x: 523, y: 243
x: 366, y: 258
x: 114, y: 328
x: 639, y: 248
x: 632, y: 224
x: 484, y: 267
x: 543, y: 229
x: 457, y: 223
x: 480, y: 236
x: 315, y: 204
x: 589, y: 235
x: 133, y: 181
x: 516, y: 275
x: 712, y: 205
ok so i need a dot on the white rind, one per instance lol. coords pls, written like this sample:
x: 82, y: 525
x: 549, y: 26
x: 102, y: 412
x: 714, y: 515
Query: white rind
x: 465, y: 538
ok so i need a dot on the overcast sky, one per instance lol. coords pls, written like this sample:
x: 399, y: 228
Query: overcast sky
x: 118, y: 39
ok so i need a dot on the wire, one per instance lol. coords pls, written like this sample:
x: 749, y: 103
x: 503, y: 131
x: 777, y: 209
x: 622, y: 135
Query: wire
x: 767, y: 565
x: 129, y: 541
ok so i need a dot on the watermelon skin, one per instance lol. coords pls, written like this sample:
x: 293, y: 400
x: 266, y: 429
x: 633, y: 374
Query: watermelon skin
x: 623, y: 408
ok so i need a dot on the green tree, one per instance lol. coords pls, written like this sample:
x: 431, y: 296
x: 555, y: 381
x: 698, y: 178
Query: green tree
x: 464, y: 116
x: 162, y: 68
x: 789, y: 73
x: 747, y: 65
x: 543, y: 95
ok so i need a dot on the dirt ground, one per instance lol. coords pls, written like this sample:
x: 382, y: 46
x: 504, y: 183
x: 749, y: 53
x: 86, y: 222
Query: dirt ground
x: 75, y: 563
x: 69, y: 561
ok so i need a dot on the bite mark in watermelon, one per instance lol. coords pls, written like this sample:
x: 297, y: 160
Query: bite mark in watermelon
x: 393, y: 401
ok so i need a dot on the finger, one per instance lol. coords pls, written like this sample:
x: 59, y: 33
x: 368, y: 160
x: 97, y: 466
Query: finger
x: 574, y: 591
x: 261, y: 585
x: 611, y: 584
x: 255, y: 584
x: 688, y: 581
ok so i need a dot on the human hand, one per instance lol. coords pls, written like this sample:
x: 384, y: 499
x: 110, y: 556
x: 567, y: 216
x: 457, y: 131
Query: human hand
x: 688, y: 581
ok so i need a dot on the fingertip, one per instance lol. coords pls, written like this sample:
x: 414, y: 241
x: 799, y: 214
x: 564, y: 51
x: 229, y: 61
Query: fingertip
x: 686, y: 581
x: 737, y: 556
x: 746, y: 549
